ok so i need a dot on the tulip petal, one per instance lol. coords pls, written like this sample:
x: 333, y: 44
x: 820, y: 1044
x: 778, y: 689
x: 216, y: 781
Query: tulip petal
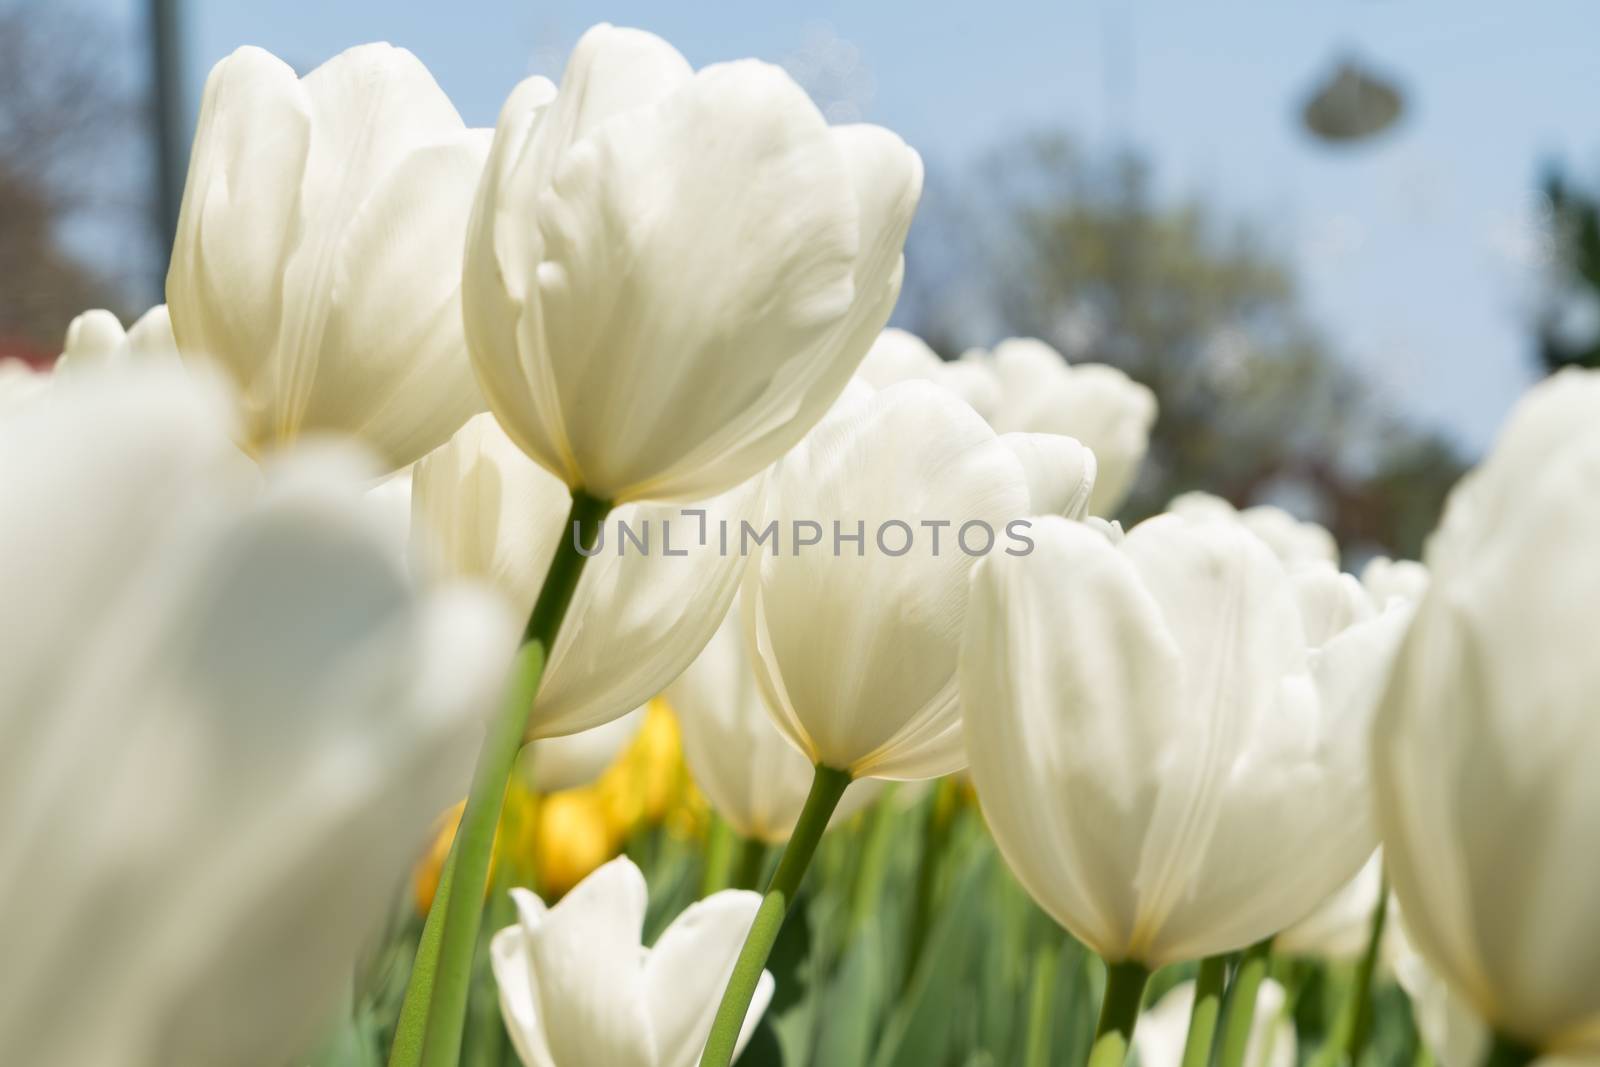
x: 688, y: 969
x: 1060, y: 472
x: 519, y: 1007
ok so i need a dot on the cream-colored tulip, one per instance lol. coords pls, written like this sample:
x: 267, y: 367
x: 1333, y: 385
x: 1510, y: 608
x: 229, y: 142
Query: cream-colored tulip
x: 854, y: 641
x: 226, y: 722
x: 481, y: 508
x: 1097, y: 404
x: 316, y: 258
x: 1342, y: 925
x: 1388, y: 579
x: 900, y: 356
x: 1167, y: 766
x: 672, y: 274
x: 750, y: 773
x: 97, y: 337
x: 1297, y: 542
x: 1486, y: 744
x: 560, y: 763
x: 577, y: 989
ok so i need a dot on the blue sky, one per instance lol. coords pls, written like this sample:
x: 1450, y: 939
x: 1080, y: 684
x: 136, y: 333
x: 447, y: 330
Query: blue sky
x: 1415, y: 253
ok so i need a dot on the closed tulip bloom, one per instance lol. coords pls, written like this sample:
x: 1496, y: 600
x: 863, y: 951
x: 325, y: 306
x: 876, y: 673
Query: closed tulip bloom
x: 1487, y: 740
x: 1297, y: 542
x: 226, y: 721
x: 1341, y: 925
x: 1098, y: 404
x: 483, y: 509
x: 1167, y: 766
x: 671, y: 274
x: 315, y: 255
x: 855, y: 648
x: 900, y: 356
x: 97, y: 337
x: 1164, y: 1029
x: 559, y: 763
x: 750, y: 773
x: 577, y: 988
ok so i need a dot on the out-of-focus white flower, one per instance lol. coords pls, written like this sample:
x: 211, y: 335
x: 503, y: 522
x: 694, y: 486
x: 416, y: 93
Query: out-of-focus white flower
x: 854, y: 642
x: 1330, y: 601
x: 1296, y: 542
x: 1098, y: 404
x: 900, y: 356
x: 1341, y: 926
x: 316, y: 258
x: 577, y: 988
x: 640, y: 614
x: 20, y: 385
x: 1486, y: 744
x: 1060, y: 472
x: 751, y: 774
x: 671, y: 275
x: 1166, y: 765
x: 226, y: 722
x: 559, y: 763
x: 1388, y: 579
x: 97, y: 337
x: 1164, y: 1029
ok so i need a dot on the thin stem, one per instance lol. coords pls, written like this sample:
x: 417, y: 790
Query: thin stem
x: 1119, y: 1011
x: 1507, y: 1051
x: 1240, y: 1011
x: 720, y: 841
x: 1355, y: 1014
x: 1207, y: 1006
x: 1041, y: 999
x: 826, y: 789
x: 413, y: 1022
x: 446, y: 986
x: 749, y: 860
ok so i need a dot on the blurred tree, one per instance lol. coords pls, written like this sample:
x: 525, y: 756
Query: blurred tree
x: 1254, y: 406
x: 73, y: 139
x: 1568, y: 322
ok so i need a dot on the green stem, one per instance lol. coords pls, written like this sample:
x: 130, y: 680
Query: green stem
x: 445, y: 987
x: 1355, y: 1014
x: 1508, y: 1052
x: 413, y: 1022
x: 872, y: 861
x: 720, y: 840
x: 935, y: 838
x: 1240, y: 1010
x: 826, y: 789
x: 750, y: 859
x: 1207, y: 1006
x: 1041, y: 1001
x: 1119, y: 1011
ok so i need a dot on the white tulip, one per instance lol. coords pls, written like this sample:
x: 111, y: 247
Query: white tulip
x: 96, y: 337
x: 1297, y: 542
x: 316, y: 253
x: 750, y: 773
x: 1388, y: 579
x: 1341, y: 926
x: 577, y: 988
x: 1061, y: 472
x: 1167, y: 767
x: 900, y: 356
x: 483, y: 509
x: 226, y: 722
x: 1487, y: 739
x: 671, y: 274
x: 1097, y: 404
x: 1164, y: 1029
x: 855, y: 647
x: 20, y: 385
x: 559, y: 763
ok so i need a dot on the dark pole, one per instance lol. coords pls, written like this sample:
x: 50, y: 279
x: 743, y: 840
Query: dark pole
x: 170, y: 128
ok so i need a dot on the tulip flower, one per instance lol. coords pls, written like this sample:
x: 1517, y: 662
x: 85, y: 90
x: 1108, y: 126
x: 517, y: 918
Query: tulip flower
x: 1339, y: 927
x: 578, y: 989
x: 315, y: 255
x: 96, y: 337
x: 559, y: 763
x: 1165, y: 1026
x: 1388, y: 579
x: 750, y: 773
x: 1165, y: 764
x: 1095, y: 403
x: 672, y: 274
x: 1296, y: 542
x: 854, y: 642
x: 1486, y: 742
x: 900, y: 356
x: 228, y: 719
x: 483, y: 509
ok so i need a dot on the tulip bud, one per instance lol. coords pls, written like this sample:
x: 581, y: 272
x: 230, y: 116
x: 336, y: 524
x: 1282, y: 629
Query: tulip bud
x: 315, y: 255
x: 1486, y: 744
x: 670, y: 275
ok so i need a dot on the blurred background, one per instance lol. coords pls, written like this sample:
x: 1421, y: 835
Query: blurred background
x: 1337, y: 240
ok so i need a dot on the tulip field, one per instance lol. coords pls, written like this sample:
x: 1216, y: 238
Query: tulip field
x: 518, y: 602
